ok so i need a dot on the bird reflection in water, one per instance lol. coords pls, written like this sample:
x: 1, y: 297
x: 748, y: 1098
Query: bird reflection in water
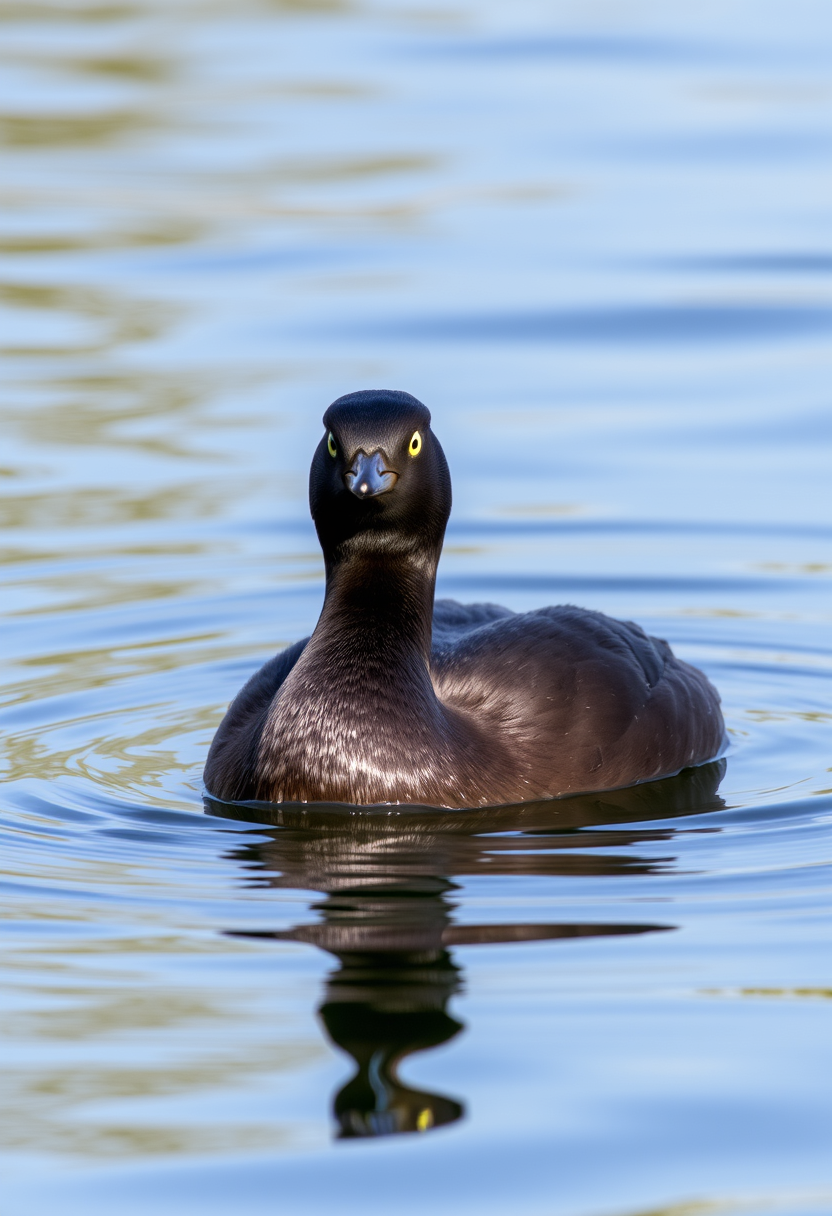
x: 387, y: 875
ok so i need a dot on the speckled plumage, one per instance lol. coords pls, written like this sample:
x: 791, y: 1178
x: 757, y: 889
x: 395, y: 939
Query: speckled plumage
x: 397, y: 699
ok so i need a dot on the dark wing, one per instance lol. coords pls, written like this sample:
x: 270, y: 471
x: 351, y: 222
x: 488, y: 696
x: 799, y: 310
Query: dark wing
x: 232, y: 758
x: 452, y: 620
x: 586, y: 702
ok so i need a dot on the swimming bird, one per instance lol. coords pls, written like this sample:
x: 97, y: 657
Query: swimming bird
x: 398, y: 698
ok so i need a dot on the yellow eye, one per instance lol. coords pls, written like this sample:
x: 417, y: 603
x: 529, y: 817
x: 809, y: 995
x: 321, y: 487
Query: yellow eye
x: 415, y: 445
x: 331, y: 446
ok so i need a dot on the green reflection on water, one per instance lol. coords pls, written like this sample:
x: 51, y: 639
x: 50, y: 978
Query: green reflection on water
x: 148, y: 68
x: 115, y: 764
x: 73, y: 1108
x: 34, y: 10
x: 96, y: 409
x: 61, y: 130
x: 822, y: 993
x: 328, y: 7
x: 174, y: 230
x: 332, y: 169
x: 119, y: 319
x: 747, y: 1205
x: 68, y: 509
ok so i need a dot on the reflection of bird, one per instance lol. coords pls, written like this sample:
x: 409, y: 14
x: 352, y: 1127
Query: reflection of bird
x: 397, y: 699
x: 419, y: 851
x: 386, y: 1002
x: 388, y: 878
x: 387, y: 998
x: 374, y: 1102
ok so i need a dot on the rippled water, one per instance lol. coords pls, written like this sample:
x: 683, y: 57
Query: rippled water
x: 595, y: 239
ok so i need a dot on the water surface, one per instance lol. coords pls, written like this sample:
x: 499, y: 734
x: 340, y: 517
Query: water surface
x: 594, y: 239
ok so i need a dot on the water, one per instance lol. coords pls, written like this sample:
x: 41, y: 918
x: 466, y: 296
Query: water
x: 595, y: 240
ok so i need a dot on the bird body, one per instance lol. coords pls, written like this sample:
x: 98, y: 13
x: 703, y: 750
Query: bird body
x: 397, y: 699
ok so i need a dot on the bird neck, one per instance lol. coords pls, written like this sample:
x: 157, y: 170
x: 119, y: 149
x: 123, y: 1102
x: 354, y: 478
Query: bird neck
x: 358, y: 715
x: 379, y: 604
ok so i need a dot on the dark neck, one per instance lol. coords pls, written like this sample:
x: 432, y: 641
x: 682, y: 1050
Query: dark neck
x: 379, y: 600
x: 358, y: 714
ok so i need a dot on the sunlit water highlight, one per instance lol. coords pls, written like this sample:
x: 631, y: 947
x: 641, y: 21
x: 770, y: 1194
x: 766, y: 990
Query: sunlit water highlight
x: 595, y: 241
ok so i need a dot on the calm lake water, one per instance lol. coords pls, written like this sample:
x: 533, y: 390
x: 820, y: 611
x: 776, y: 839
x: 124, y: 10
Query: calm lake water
x: 595, y: 239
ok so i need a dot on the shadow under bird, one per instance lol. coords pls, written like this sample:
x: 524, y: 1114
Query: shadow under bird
x: 400, y: 698
x: 385, y: 910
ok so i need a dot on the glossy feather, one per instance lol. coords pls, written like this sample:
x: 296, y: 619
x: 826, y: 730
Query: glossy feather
x: 398, y: 699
